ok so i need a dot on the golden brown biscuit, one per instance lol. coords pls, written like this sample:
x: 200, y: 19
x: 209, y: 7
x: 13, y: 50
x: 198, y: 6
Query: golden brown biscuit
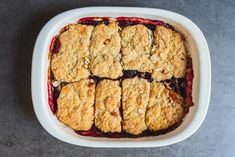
x: 71, y: 62
x: 168, y: 54
x: 164, y: 109
x: 76, y: 104
x: 135, y: 98
x: 136, y: 46
x: 105, y: 51
x: 107, y: 105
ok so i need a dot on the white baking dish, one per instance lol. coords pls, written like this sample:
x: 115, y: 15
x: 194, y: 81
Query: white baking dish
x: 197, y: 47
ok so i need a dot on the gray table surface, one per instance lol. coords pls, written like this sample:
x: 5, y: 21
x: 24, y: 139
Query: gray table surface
x: 22, y: 135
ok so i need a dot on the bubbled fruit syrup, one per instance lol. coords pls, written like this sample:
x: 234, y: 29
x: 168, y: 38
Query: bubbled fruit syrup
x: 189, y: 78
x: 50, y: 97
x: 55, y: 45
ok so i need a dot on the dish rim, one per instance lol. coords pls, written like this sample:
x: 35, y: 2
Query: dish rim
x: 38, y: 84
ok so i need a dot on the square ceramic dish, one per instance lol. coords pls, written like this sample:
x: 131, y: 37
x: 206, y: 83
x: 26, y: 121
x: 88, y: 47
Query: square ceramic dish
x: 196, y: 45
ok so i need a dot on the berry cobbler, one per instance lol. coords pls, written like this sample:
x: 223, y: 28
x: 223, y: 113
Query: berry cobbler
x: 119, y: 77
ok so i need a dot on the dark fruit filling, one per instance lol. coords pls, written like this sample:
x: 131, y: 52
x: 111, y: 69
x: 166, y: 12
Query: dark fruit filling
x: 94, y: 132
x: 52, y: 104
x: 177, y: 84
x: 55, y: 45
x: 124, y: 21
x: 188, y: 101
x: 94, y: 21
x: 130, y: 73
x: 182, y: 86
x: 151, y: 24
x: 134, y: 73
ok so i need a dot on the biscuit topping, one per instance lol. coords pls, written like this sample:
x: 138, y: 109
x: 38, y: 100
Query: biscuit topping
x: 76, y: 104
x: 135, y: 98
x: 136, y: 46
x: 164, y: 109
x: 105, y: 51
x: 107, y: 106
x: 168, y: 54
x: 69, y: 64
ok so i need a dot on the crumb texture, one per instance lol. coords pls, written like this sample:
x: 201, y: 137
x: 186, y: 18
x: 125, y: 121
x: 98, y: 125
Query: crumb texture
x: 76, y: 104
x: 105, y: 51
x: 107, y: 106
x: 168, y: 54
x: 164, y: 109
x: 135, y: 98
x: 71, y: 62
x: 136, y: 46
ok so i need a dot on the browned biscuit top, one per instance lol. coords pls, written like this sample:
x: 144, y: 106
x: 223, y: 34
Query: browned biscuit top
x: 168, y: 54
x: 136, y: 46
x: 105, y: 51
x: 71, y: 62
x: 164, y: 109
x: 135, y: 98
x: 76, y: 104
x: 107, y: 105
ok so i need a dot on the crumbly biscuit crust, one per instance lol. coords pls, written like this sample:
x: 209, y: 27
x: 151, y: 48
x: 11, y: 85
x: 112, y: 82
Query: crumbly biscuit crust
x: 135, y: 98
x: 76, y: 104
x: 107, y: 105
x: 164, y: 109
x: 136, y: 46
x: 71, y: 62
x: 105, y: 51
x: 168, y: 55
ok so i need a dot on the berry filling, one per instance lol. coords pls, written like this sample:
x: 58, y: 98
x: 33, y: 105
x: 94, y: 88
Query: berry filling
x: 188, y: 101
x: 94, y: 21
x: 94, y: 132
x: 55, y: 45
x: 134, y: 73
x: 151, y: 24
